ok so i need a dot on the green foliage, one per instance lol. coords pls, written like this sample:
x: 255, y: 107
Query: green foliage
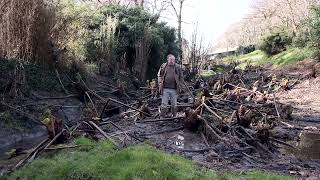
x: 41, y: 77
x: 275, y: 43
x: 290, y: 56
x: 246, y: 49
x: 108, y: 36
x: 103, y: 161
x: 258, y: 57
x: 315, y: 30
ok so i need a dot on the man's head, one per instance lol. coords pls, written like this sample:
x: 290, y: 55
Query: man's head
x: 171, y: 59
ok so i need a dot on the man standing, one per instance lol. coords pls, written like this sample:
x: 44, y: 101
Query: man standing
x: 169, y: 79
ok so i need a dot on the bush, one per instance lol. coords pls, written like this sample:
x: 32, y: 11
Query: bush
x: 315, y: 30
x: 246, y: 49
x: 275, y: 43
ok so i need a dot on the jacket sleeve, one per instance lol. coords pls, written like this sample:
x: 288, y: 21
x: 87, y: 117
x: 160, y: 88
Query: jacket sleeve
x: 160, y: 73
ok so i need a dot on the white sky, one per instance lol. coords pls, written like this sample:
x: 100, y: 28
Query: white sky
x: 214, y: 17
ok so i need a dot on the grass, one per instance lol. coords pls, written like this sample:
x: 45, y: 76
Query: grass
x: 258, y: 57
x: 103, y: 161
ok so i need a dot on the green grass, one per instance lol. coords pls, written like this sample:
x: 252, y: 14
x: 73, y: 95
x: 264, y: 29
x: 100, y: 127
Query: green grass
x: 258, y: 57
x: 103, y: 161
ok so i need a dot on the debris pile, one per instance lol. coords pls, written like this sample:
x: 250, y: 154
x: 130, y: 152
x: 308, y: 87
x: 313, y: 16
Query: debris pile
x: 231, y: 120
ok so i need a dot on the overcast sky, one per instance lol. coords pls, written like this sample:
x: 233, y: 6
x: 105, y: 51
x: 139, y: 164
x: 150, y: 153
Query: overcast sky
x: 214, y: 16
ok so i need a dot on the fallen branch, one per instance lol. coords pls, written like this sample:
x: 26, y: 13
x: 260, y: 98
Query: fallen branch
x: 58, y: 76
x: 282, y: 142
x: 35, y: 150
x: 54, y: 139
x: 125, y: 132
x: 104, y: 134
x: 205, y: 139
x: 211, y: 129
x: 194, y: 150
x: 159, y: 120
x: 211, y: 111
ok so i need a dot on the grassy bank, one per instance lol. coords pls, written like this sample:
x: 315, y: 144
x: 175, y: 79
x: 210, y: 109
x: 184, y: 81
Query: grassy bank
x: 258, y: 57
x: 103, y: 161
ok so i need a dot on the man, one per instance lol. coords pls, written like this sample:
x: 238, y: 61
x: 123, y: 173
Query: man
x: 169, y: 79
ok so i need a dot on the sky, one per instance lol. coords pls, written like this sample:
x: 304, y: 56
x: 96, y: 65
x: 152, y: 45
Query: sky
x: 214, y: 17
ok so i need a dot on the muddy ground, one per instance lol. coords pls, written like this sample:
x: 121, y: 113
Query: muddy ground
x: 170, y: 135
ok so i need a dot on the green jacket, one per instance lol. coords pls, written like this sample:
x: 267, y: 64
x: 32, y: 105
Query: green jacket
x: 178, y: 76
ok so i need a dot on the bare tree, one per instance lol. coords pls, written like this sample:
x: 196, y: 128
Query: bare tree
x: 268, y: 16
x: 198, y: 50
x: 177, y: 6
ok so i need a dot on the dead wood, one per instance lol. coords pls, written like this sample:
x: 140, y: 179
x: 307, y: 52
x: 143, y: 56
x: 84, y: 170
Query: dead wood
x: 159, y: 120
x: 194, y: 150
x: 211, y: 111
x: 133, y: 136
x: 212, y: 132
x: 34, y: 151
x: 104, y: 134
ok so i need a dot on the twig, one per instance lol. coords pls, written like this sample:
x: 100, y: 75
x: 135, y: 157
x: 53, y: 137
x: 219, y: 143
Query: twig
x: 210, y: 128
x: 104, y: 134
x: 94, y: 107
x: 61, y: 97
x: 159, y: 120
x: 282, y: 142
x: 275, y: 105
x: 58, y: 76
x: 54, y: 139
x: 36, y: 149
x: 63, y: 147
x: 195, y: 150
x: 205, y: 139
x: 210, y: 110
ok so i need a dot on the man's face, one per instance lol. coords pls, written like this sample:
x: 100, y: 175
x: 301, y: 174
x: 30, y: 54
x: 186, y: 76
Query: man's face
x: 171, y: 60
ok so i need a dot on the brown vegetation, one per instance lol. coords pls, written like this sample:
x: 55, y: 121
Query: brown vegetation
x: 24, y: 30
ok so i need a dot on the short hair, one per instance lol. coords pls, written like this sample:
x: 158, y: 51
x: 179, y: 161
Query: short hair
x: 171, y: 55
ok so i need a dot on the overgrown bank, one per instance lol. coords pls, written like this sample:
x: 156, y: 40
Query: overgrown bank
x: 258, y: 57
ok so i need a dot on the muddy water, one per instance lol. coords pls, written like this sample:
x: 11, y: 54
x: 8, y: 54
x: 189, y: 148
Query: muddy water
x: 13, y: 139
x: 309, y: 146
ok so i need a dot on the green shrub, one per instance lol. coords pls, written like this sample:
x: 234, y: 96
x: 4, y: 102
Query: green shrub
x: 315, y: 30
x: 41, y: 77
x: 246, y: 49
x: 275, y: 43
